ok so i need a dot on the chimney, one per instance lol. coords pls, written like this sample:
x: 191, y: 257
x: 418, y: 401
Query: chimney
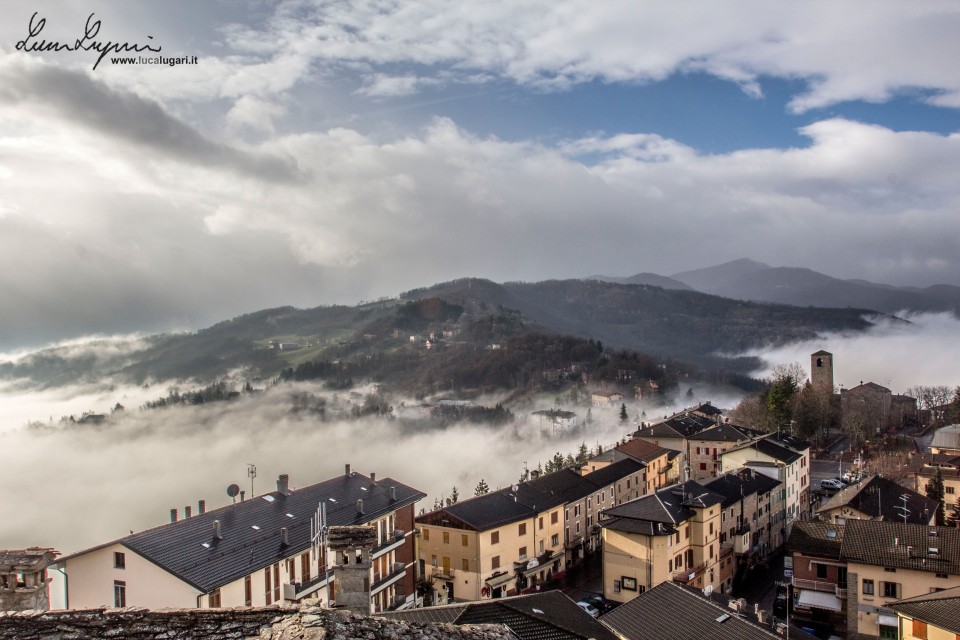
x: 393, y: 494
x: 186, y: 511
x: 173, y: 515
x: 216, y: 530
x: 201, y: 507
x: 243, y: 495
x: 762, y: 616
x: 346, y: 469
x: 360, y: 507
x: 284, y: 538
x: 283, y: 484
x: 373, y: 478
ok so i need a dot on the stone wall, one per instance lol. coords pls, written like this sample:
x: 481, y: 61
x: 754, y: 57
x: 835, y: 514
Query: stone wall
x: 308, y: 622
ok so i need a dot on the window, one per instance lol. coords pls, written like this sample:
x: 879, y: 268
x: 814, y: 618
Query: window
x: 522, y: 553
x: 554, y: 517
x: 267, y: 590
x: 686, y: 532
x: 890, y: 569
x: 247, y: 591
x: 891, y: 589
x: 540, y: 522
x: 276, y: 582
x: 542, y: 545
x: 119, y: 594
x: 554, y: 540
x: 465, y: 565
x: 119, y: 560
x: 576, y: 511
x: 214, y: 599
x: 463, y: 540
x: 305, y: 567
x: 495, y: 562
x: 446, y: 537
x: 522, y: 529
x: 821, y: 570
x: 703, y: 466
x: 919, y: 629
x: 426, y: 534
x: 495, y: 537
x: 948, y: 490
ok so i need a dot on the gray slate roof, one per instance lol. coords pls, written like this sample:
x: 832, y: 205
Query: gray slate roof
x: 672, y: 612
x: 941, y: 609
x: 657, y: 513
x: 899, y: 545
x: 814, y: 538
x: 880, y: 498
x: 550, y: 615
x: 178, y: 547
x: 746, y: 482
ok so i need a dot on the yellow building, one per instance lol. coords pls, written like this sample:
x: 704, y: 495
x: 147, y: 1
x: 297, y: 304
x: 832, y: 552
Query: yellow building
x: 932, y: 616
x: 514, y: 539
x: 673, y: 534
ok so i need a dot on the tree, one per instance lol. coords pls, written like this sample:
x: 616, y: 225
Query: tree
x: 623, y: 412
x: 454, y: 497
x: 935, y: 491
x: 582, y: 454
x: 953, y: 520
x: 482, y: 488
x: 589, y: 418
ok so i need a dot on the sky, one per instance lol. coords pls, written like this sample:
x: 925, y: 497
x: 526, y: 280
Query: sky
x: 332, y: 152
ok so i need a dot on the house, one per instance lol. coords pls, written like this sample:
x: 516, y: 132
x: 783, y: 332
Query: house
x: 606, y: 398
x: 506, y: 541
x: 853, y: 573
x: 547, y: 615
x: 700, y: 435
x: 24, y: 583
x: 876, y: 498
x: 659, y: 462
x: 670, y: 611
x: 924, y: 467
x: 259, y: 551
x: 673, y: 534
x: 931, y: 616
x: 749, y: 501
x: 946, y: 440
x: 784, y: 458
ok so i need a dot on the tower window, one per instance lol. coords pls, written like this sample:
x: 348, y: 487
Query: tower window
x: 819, y: 362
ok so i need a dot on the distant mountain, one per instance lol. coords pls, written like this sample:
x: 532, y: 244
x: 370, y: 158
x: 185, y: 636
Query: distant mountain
x: 749, y: 280
x: 646, y: 278
x: 708, y: 279
x: 686, y: 325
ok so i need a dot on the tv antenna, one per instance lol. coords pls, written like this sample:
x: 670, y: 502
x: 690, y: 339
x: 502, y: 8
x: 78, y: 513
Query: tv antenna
x: 251, y: 473
x: 233, y: 491
x: 903, y: 507
x: 318, y: 541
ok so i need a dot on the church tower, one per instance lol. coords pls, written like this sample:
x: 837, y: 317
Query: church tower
x: 821, y: 371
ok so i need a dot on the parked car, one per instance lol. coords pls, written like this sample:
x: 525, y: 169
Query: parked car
x: 601, y: 603
x: 851, y: 477
x: 831, y: 484
x: 589, y: 608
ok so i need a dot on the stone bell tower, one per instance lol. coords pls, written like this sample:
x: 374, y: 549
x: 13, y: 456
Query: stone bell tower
x: 821, y: 371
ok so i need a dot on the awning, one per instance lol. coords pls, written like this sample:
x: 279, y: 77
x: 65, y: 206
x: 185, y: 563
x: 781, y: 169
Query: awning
x: 887, y: 621
x: 819, y: 600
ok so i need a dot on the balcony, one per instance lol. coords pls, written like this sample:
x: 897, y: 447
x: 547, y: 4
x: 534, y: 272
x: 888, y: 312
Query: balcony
x: 297, y: 591
x: 444, y: 573
x: 821, y: 586
x: 394, y: 574
x: 394, y: 541
x: 689, y: 575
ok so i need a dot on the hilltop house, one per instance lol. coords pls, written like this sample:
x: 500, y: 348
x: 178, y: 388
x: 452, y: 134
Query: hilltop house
x: 259, y: 551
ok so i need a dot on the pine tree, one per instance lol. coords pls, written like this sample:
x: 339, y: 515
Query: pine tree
x: 935, y: 491
x: 623, y: 412
x: 589, y: 419
x: 482, y: 488
x: 454, y: 496
x: 582, y: 454
x: 953, y: 520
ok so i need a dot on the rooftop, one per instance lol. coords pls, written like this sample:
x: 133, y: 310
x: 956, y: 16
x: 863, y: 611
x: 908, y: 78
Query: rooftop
x: 549, y: 615
x: 813, y: 538
x: 657, y: 513
x: 744, y: 482
x: 941, y: 609
x: 670, y: 611
x: 881, y: 499
x: 250, y: 536
x: 900, y: 545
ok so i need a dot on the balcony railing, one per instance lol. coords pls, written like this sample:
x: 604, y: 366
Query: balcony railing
x: 819, y: 585
x: 382, y: 581
x: 392, y: 542
x: 689, y: 575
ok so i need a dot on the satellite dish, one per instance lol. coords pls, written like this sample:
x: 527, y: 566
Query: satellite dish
x: 233, y: 490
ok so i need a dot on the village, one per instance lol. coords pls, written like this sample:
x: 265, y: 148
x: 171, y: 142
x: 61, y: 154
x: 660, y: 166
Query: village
x: 760, y: 527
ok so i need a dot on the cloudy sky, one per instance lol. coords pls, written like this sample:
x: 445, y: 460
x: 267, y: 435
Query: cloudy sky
x: 332, y: 151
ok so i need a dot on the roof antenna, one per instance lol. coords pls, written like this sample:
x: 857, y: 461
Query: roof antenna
x: 251, y: 473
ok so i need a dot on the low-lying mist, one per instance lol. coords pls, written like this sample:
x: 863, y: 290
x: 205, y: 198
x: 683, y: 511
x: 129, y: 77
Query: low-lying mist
x: 127, y: 473
x: 896, y: 355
